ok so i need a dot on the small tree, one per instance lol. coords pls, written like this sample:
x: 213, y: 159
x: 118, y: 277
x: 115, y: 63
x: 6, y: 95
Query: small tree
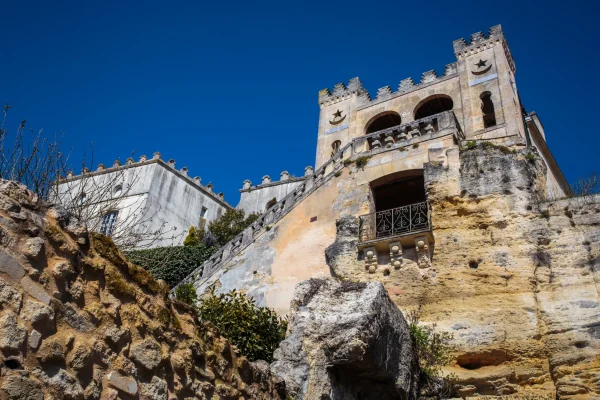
x: 587, y: 185
x: 186, y: 292
x: 229, y: 225
x: 256, y: 331
x: 192, y: 238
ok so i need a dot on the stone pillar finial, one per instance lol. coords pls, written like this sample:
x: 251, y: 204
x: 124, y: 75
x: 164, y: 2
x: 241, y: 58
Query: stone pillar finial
x: 143, y: 158
x: 197, y: 180
x: 266, y: 179
x: 84, y: 170
x: 100, y: 167
x: 247, y: 184
x: 284, y: 176
x: 184, y: 171
x: 117, y: 163
x: 221, y: 195
x: 70, y: 174
x: 308, y: 171
x: 129, y: 161
x: 156, y: 156
x: 171, y: 163
x: 209, y: 187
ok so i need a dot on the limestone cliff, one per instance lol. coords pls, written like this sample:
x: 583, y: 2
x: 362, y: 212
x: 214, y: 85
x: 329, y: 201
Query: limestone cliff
x: 78, y: 321
x: 513, y: 278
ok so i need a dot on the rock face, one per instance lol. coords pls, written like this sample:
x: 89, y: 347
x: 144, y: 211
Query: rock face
x: 513, y: 278
x: 78, y: 321
x: 347, y: 341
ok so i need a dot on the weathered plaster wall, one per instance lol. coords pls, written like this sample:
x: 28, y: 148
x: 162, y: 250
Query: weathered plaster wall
x: 255, y: 199
x: 152, y: 192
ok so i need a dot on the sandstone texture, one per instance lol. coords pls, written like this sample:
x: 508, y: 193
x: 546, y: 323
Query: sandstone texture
x: 513, y: 278
x: 78, y: 321
x: 347, y: 341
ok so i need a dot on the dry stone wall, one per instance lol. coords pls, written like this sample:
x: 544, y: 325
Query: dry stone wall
x: 78, y: 321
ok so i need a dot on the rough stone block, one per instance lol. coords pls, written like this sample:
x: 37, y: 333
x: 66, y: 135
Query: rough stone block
x: 35, y: 290
x: 11, y: 267
x: 122, y: 383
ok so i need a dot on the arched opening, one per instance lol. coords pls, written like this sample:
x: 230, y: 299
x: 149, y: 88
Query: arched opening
x: 335, y: 147
x: 383, y: 121
x: 398, y: 190
x: 487, y: 109
x: 433, y: 105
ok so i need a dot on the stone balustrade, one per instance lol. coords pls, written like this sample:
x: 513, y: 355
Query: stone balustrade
x: 410, y: 133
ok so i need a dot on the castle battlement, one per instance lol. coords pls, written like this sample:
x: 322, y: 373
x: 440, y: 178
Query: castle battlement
x: 479, y: 42
x: 284, y: 178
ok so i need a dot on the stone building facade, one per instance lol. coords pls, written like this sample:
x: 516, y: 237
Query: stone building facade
x: 149, y: 193
x: 445, y: 191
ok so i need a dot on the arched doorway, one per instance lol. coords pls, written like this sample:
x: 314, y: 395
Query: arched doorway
x: 383, y: 121
x: 433, y: 105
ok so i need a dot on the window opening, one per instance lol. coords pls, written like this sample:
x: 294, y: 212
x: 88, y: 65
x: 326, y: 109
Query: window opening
x: 108, y: 223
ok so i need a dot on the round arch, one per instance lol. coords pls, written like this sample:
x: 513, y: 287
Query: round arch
x: 383, y: 120
x: 398, y: 189
x: 433, y: 105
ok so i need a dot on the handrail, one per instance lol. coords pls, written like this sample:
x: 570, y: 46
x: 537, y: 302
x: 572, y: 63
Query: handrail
x: 398, y: 221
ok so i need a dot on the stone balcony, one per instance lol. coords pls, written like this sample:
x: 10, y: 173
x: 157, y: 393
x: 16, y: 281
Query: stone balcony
x: 392, y: 231
x: 409, y: 134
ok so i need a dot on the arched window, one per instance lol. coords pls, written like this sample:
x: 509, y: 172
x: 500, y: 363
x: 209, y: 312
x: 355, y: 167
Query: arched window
x: 335, y: 147
x: 117, y: 190
x: 383, y: 121
x: 487, y: 109
x: 82, y: 198
x: 433, y: 105
x: 107, y: 225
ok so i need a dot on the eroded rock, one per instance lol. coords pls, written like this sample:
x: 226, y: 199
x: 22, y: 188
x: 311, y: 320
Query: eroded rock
x: 347, y: 341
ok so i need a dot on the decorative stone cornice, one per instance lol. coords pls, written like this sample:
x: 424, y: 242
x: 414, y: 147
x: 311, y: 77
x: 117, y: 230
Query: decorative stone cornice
x: 479, y: 42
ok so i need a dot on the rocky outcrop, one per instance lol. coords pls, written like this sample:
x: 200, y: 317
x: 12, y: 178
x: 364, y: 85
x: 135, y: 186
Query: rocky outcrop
x: 78, y: 321
x: 347, y: 341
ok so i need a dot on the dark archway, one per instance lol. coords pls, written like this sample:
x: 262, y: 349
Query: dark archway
x: 398, y: 190
x: 383, y: 121
x: 487, y: 109
x: 433, y: 105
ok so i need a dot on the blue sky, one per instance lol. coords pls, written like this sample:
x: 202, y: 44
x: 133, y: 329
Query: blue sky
x: 230, y: 88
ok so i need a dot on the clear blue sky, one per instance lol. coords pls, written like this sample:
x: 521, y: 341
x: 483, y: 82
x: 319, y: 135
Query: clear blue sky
x: 230, y: 88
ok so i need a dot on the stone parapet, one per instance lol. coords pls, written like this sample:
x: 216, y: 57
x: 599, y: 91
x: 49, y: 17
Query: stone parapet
x: 143, y: 160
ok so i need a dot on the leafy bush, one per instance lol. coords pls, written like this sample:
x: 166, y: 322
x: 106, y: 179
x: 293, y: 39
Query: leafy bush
x: 171, y: 264
x: 229, y: 225
x: 256, y: 331
x: 186, y: 292
x: 530, y: 157
x: 434, y: 350
x: 192, y: 238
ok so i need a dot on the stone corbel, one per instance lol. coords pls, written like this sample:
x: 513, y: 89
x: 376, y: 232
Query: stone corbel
x: 422, y: 248
x: 396, y: 254
x: 370, y: 256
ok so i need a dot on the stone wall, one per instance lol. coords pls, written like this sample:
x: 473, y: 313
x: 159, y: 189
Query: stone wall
x: 77, y: 321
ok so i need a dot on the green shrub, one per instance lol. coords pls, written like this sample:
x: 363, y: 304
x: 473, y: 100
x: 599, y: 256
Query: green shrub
x: 416, y: 146
x: 470, y: 145
x: 361, y: 162
x: 256, y: 331
x: 433, y: 348
x: 172, y: 264
x: 337, y: 174
x: 229, y: 225
x: 530, y: 157
x: 186, y: 292
x: 192, y: 238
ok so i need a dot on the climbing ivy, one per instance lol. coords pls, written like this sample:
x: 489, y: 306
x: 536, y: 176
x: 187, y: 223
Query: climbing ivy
x: 172, y: 264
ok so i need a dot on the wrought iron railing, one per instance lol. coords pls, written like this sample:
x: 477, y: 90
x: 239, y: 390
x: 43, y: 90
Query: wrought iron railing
x: 399, y: 221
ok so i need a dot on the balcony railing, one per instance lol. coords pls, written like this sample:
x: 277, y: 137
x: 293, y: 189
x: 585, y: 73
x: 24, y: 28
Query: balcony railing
x: 401, y: 221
